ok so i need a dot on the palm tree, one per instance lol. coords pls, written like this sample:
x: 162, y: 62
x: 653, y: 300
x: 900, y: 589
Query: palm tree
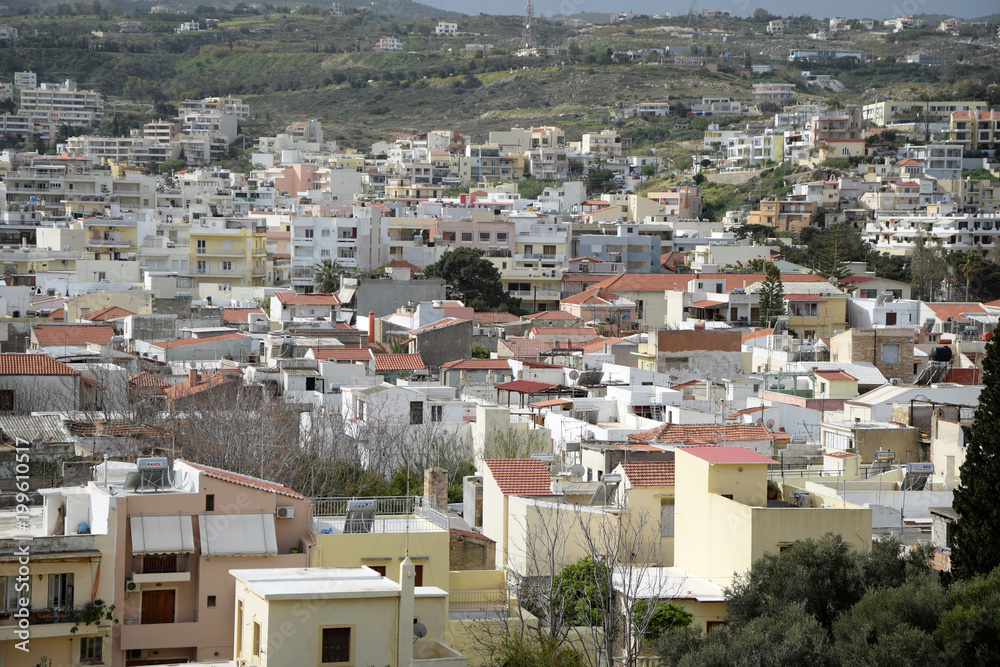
x: 326, y: 276
x: 970, y: 266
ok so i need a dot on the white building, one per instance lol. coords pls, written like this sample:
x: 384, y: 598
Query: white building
x: 388, y: 43
x: 896, y: 232
x: 62, y: 103
x: 445, y: 28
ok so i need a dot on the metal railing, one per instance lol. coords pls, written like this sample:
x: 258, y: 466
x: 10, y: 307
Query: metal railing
x: 392, y: 513
x: 479, y: 600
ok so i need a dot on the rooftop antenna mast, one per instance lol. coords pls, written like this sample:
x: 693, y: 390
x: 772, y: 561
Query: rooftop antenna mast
x: 529, y: 26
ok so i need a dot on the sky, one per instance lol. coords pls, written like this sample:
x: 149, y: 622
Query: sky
x: 882, y: 9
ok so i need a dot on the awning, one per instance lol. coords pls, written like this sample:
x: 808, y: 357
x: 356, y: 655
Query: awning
x: 237, y: 534
x: 346, y: 294
x: 162, y: 534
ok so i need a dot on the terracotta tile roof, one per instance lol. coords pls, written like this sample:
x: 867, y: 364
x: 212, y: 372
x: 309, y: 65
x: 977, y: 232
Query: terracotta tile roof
x: 401, y: 264
x: 715, y: 454
x: 747, y: 411
x: 239, y: 315
x: 399, y: 362
x: 477, y: 364
x: 114, y: 428
x: 598, y: 344
x: 836, y: 376
x: 147, y: 379
x: 707, y: 304
x: 526, y: 386
x: 568, y: 332
x: 440, y: 324
x: 342, y: 353
x: 709, y: 433
x: 58, y: 315
x: 593, y: 296
x: 551, y: 315
x: 12, y: 363
x: 295, y: 299
x: 646, y: 282
x: 107, y: 314
x: 552, y: 402
x: 955, y: 310
x: 805, y: 297
x: 528, y: 363
x: 181, y: 342
x: 525, y: 347
x: 750, y: 335
x: 521, y: 477
x: 470, y: 534
x: 650, y: 473
x: 495, y: 318
x: 73, y: 334
x: 206, y: 381
x: 246, y: 480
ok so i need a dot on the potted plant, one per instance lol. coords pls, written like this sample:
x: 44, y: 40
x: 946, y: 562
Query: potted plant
x: 93, y: 613
x: 773, y: 490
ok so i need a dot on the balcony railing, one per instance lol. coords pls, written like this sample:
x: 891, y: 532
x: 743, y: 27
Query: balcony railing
x: 393, y: 514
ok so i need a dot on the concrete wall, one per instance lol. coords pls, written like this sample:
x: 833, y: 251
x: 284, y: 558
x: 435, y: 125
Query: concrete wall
x: 384, y: 297
x: 428, y: 548
x: 151, y: 328
x: 439, y: 346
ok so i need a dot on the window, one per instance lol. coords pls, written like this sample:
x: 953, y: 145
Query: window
x: 666, y: 517
x: 60, y: 590
x: 210, y: 603
x: 8, y: 594
x: 890, y: 353
x: 210, y: 502
x: 484, y: 237
x: 336, y: 645
x: 378, y: 568
x: 91, y: 649
x: 6, y: 400
x: 418, y: 575
x: 324, y: 253
x: 416, y: 412
x: 501, y: 237
x: 325, y: 233
x: 239, y: 628
x: 308, y: 233
x: 202, y: 266
x: 201, y: 247
x: 890, y: 319
x: 437, y: 412
x: 256, y: 639
x: 225, y: 266
x: 466, y: 237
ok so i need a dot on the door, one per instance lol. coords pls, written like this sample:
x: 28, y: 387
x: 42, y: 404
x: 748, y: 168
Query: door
x: 158, y: 607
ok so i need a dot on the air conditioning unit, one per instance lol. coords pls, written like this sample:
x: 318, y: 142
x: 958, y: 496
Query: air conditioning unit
x: 286, y: 512
x: 896, y: 381
x: 132, y: 586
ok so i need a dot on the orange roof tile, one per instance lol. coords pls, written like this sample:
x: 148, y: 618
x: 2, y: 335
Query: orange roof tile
x: 594, y: 295
x: 246, y: 480
x: 147, y: 379
x: 440, y: 324
x: 551, y: 315
x: 399, y: 362
x: 181, y: 342
x: 709, y: 433
x: 715, y: 454
x: 650, y: 473
x: 750, y: 335
x: 646, y: 282
x: 316, y: 299
x: 835, y: 376
x: 569, y: 332
x: 525, y: 347
x: 73, y: 334
x: 552, y: 402
x: 477, y: 364
x: 521, y: 477
x: 955, y: 310
x: 496, y: 318
x: 527, y: 386
x: 12, y: 363
x: 106, y: 314
x: 239, y: 315
x: 206, y: 381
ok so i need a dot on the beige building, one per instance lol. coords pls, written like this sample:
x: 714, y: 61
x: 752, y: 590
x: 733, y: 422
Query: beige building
x: 889, y: 349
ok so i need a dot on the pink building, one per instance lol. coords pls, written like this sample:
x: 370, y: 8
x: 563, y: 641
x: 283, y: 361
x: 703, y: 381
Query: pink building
x: 492, y: 236
x: 177, y: 537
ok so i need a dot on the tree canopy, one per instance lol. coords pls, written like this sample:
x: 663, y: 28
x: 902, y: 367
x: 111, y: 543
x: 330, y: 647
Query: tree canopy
x: 473, y: 278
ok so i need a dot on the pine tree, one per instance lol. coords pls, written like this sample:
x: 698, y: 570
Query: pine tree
x: 772, y: 297
x: 833, y: 255
x: 975, y: 551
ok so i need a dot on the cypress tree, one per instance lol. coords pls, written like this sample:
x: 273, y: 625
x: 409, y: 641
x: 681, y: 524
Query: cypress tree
x: 772, y: 297
x: 976, y: 548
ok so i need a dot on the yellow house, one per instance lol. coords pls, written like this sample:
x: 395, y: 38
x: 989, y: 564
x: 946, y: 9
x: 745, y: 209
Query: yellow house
x: 399, y: 526
x: 109, y: 238
x: 724, y: 520
x: 834, y: 384
x: 220, y: 255
x: 69, y: 558
x: 135, y: 301
x: 816, y: 315
x: 339, y: 617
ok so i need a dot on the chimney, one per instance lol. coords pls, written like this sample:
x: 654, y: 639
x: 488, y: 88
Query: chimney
x: 371, y: 327
x: 193, y: 377
x: 436, y: 488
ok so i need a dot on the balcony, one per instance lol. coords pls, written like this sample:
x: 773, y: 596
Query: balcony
x: 393, y: 514
x: 539, y: 257
x: 137, y: 636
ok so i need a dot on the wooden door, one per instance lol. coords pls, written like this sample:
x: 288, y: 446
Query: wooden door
x: 158, y: 607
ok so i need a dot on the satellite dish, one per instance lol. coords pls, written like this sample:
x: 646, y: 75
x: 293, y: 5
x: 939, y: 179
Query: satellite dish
x: 577, y: 470
x: 769, y: 424
x: 419, y: 630
x: 759, y: 421
x: 574, y: 374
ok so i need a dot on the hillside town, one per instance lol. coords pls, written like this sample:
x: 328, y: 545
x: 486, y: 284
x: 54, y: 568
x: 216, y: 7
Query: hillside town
x: 268, y: 416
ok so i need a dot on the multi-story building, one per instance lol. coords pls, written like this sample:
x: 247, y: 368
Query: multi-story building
x: 810, y: 54
x: 24, y: 80
x: 941, y: 160
x: 719, y: 106
x: 133, y: 149
x: 936, y: 113
x: 747, y: 150
x: 231, y: 106
x: 776, y: 27
x: 901, y: 23
x: 488, y: 162
x: 784, y: 215
x: 897, y: 233
x: 606, y: 143
x: 388, y: 43
x: 445, y: 28
x: 549, y: 163
x: 62, y: 103
x: 636, y: 252
x: 228, y: 252
x: 772, y: 91
x: 975, y: 130
x: 210, y: 122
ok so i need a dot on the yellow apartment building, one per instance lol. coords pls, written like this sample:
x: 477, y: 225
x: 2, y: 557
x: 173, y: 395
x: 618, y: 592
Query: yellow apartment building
x: 224, y: 255
x: 816, y: 315
x: 109, y: 238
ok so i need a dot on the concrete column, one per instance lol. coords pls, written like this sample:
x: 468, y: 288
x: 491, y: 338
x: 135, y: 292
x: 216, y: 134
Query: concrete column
x: 407, y: 574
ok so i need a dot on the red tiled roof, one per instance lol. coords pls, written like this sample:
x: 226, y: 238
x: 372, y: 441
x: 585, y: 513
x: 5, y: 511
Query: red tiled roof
x: 715, y: 454
x: 521, y: 477
x: 477, y: 364
x: 598, y: 344
x: 551, y: 315
x: 342, y: 353
x: 954, y: 310
x: 73, y: 334
x: 495, y: 318
x: 402, y: 264
x: 114, y: 429
x: 707, y: 304
x: 646, y: 282
x: 750, y: 335
x: 805, y: 297
x: 246, y: 480
x: 835, y: 376
x: 440, y: 324
x: 181, y: 342
x: 399, y: 362
x: 527, y: 386
x: 594, y: 295
x: 709, y: 433
x: 206, y: 381
x: 470, y: 534
x: 747, y: 411
x: 147, y: 379
x: 12, y: 363
x: 650, y: 473
x: 525, y: 347
x: 551, y: 403
x: 58, y: 315
x: 569, y: 332
x: 317, y: 299
x: 106, y: 314
x: 239, y: 315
